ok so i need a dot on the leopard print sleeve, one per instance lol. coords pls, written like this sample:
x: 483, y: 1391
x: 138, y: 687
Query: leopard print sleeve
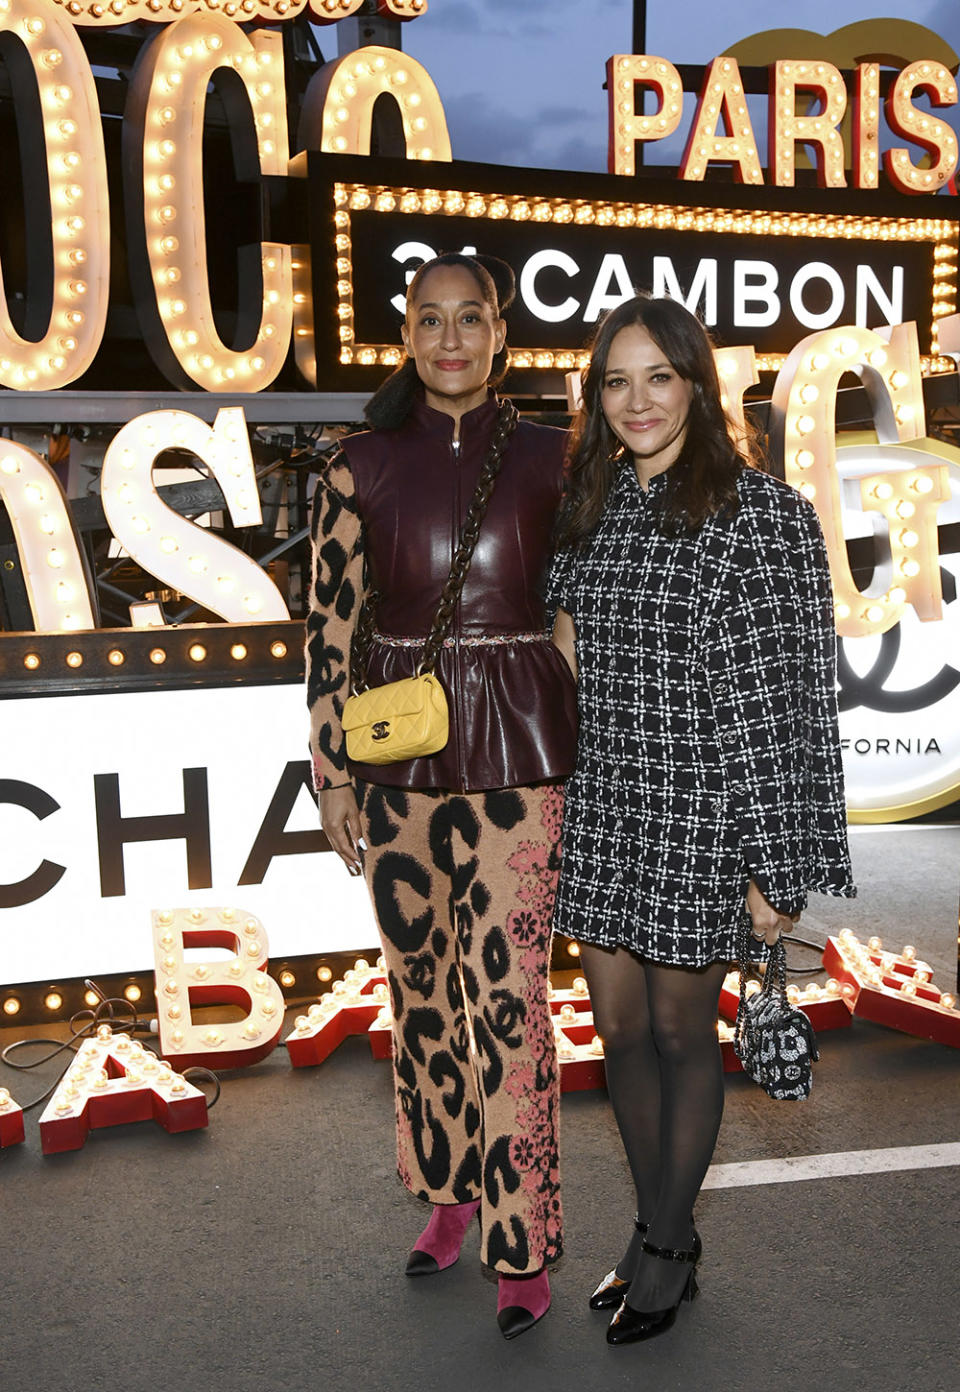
x: 335, y: 596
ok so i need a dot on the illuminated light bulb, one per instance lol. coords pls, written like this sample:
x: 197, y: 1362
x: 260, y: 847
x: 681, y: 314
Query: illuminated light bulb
x: 132, y: 992
x: 922, y: 484
x: 47, y: 524
x: 67, y: 128
x: 874, y: 613
x: 883, y: 491
x: 238, y: 652
x: 820, y: 362
x: 898, y: 379
x: 75, y: 224
x: 197, y: 652
x: 905, y: 508
x: 278, y: 650
x: 55, y: 558
x: 804, y: 459
x: 140, y: 524
x: 806, y: 425
x: 197, y: 564
x: 909, y: 539
x: 64, y: 592
x: 842, y: 611
x: 226, y: 583
x: 808, y: 491
x: 157, y: 656
x: 116, y: 658
x: 31, y: 661
x: 809, y: 393
x: 74, y: 659
x: 252, y: 603
x: 909, y: 953
x: 947, y: 1000
x: 53, y: 1000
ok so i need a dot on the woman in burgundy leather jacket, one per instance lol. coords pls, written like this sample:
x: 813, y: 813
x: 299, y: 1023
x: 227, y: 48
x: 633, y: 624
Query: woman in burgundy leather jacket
x: 459, y: 849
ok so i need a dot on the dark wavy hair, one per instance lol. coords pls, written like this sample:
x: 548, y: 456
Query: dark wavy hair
x: 390, y: 404
x: 702, y: 482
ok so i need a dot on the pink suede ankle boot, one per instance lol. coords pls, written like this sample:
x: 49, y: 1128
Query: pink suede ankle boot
x: 521, y: 1301
x: 438, y: 1246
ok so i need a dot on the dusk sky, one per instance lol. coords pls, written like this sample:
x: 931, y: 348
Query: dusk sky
x: 522, y: 80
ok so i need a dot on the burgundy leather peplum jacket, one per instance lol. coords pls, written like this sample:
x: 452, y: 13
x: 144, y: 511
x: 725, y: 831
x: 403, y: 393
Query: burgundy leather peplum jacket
x: 511, y: 695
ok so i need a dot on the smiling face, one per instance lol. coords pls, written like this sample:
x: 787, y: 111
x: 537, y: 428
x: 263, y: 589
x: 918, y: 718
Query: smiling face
x: 452, y: 333
x: 645, y: 401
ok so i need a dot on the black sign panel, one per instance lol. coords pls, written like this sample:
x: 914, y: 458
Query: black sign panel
x: 747, y: 289
x: 762, y: 266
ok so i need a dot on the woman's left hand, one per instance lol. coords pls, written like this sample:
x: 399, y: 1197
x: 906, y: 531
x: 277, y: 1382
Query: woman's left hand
x: 768, y: 922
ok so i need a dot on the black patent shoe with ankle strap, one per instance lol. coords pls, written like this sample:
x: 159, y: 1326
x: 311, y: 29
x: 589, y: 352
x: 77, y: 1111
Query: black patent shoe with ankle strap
x: 630, y: 1326
x: 613, y: 1288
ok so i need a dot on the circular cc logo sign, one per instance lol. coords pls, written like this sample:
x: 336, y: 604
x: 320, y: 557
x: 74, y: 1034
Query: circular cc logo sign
x: 899, y: 691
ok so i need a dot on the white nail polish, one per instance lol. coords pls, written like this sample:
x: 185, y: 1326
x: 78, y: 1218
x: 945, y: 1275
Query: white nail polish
x: 362, y: 844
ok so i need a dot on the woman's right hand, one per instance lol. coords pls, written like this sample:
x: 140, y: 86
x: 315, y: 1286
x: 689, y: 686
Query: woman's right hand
x: 340, y: 819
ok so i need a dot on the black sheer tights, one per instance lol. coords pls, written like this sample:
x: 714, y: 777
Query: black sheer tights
x: 665, y: 1079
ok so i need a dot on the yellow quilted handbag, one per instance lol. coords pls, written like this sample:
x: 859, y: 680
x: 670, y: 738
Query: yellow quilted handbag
x: 401, y: 720
x: 409, y: 719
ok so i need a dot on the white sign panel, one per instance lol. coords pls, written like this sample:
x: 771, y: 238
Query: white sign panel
x: 117, y: 803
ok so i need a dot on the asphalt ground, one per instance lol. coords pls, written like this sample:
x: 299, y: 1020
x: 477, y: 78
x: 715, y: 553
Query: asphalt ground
x: 267, y: 1251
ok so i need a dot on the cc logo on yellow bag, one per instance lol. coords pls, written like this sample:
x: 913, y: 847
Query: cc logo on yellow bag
x: 381, y: 729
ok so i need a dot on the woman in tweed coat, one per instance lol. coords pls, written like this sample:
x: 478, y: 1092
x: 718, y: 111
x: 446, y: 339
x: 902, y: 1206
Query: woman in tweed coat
x: 695, y: 603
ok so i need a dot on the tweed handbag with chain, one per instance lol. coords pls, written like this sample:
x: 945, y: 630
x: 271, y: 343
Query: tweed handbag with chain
x: 774, y: 1041
x: 409, y: 719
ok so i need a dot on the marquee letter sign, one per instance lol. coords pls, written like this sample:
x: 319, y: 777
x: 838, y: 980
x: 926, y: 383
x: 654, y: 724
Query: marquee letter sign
x: 242, y: 980
x: 11, y: 1120
x: 210, y: 570
x: 804, y: 428
x: 163, y: 183
x: 66, y: 216
x: 51, y: 560
x: 113, y: 1080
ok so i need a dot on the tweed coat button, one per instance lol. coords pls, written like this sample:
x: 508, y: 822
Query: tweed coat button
x: 730, y: 737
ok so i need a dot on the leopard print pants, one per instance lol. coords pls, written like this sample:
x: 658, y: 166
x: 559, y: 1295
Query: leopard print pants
x: 463, y: 887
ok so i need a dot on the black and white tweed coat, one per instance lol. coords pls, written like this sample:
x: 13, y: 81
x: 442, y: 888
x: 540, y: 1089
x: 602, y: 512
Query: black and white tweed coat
x: 708, y: 751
